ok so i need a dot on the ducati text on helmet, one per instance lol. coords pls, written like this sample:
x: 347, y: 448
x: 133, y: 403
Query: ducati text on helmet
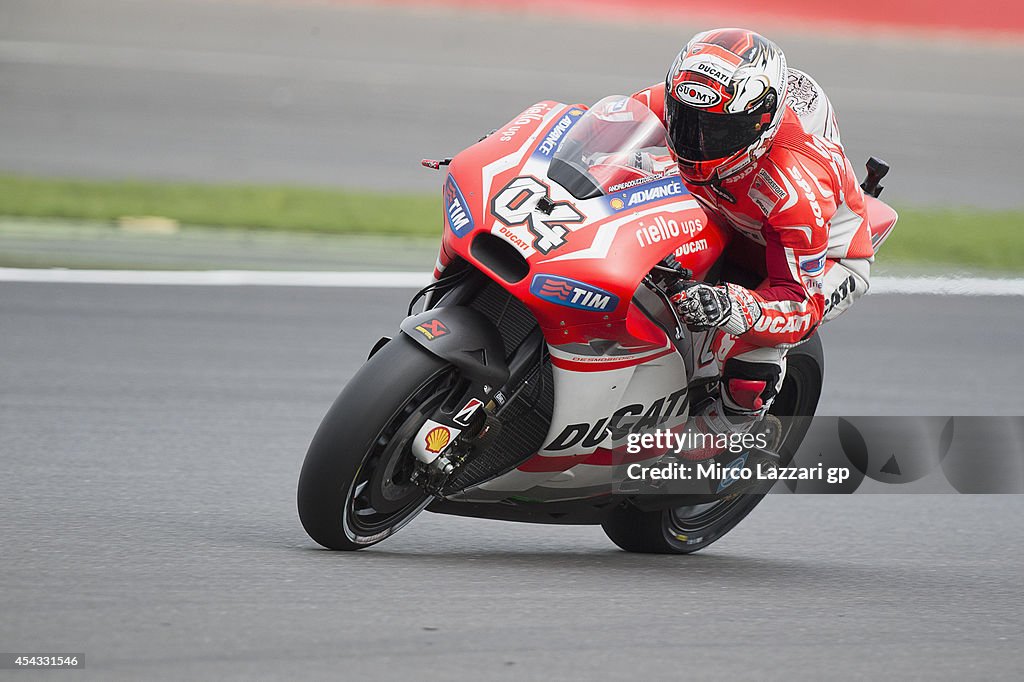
x: 724, y: 101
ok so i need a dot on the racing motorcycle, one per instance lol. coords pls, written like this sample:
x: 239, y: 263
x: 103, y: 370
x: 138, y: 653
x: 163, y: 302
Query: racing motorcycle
x: 544, y: 342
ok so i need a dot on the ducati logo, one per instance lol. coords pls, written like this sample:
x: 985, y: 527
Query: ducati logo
x: 624, y: 421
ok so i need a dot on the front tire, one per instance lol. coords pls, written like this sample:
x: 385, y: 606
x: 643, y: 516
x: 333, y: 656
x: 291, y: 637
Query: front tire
x: 355, y: 489
x: 683, y: 530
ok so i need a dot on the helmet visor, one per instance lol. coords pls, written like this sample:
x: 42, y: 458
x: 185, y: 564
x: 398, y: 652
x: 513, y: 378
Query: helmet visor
x: 698, y: 135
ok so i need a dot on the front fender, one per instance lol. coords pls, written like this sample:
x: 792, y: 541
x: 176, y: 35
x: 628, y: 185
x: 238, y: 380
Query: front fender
x: 463, y: 337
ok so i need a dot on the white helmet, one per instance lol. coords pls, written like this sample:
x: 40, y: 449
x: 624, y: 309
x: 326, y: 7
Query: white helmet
x: 725, y: 97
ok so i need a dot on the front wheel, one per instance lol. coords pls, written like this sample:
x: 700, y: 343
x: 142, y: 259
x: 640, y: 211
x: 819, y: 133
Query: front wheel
x: 683, y: 530
x: 356, y: 485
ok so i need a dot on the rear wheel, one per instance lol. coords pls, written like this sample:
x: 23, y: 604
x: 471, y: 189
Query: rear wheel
x: 355, y: 488
x: 682, y: 530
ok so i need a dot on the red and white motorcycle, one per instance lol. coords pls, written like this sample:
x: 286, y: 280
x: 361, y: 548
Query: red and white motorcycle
x: 546, y: 339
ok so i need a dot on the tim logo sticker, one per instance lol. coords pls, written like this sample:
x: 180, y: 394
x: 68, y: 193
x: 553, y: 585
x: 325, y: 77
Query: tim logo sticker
x: 572, y: 294
x: 460, y: 220
x: 814, y: 264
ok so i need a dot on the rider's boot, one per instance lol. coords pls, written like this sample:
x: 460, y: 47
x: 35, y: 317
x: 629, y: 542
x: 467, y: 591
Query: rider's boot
x: 724, y: 421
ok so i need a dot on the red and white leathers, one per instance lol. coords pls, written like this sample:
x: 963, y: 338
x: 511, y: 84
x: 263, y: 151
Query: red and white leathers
x: 803, y: 223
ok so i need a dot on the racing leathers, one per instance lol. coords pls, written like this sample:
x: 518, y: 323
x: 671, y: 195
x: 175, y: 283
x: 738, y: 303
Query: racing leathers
x: 802, y: 225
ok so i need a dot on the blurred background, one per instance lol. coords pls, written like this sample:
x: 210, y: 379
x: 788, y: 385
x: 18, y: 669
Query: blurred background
x: 151, y: 436
x: 129, y: 126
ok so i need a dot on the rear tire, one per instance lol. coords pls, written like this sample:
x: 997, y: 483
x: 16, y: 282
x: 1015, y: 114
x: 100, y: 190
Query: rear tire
x: 683, y: 530
x: 354, y: 489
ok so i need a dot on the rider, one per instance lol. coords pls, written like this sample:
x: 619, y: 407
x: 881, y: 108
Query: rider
x: 757, y: 145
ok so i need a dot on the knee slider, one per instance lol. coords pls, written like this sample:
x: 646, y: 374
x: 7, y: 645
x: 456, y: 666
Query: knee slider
x: 749, y: 387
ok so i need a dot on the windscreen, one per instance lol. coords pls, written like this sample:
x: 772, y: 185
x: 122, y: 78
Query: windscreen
x: 618, y: 142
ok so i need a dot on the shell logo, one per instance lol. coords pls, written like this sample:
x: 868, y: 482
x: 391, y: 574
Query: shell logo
x: 617, y: 204
x: 437, y: 438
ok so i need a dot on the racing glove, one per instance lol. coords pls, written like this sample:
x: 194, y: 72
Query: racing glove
x: 703, y: 306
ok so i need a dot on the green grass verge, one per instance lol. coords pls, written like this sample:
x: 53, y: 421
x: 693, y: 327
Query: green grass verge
x: 991, y: 240
x: 252, y: 206
x: 975, y: 239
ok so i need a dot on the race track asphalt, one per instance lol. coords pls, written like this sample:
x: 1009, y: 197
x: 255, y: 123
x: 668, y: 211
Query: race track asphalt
x: 151, y: 440
x: 151, y: 437
x: 332, y: 94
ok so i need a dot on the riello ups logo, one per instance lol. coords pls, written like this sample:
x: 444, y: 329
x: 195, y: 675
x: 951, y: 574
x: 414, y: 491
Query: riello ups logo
x: 572, y: 294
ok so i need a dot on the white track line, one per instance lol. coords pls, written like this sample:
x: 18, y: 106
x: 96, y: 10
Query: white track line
x: 947, y: 286
x: 398, y: 280
x: 965, y: 286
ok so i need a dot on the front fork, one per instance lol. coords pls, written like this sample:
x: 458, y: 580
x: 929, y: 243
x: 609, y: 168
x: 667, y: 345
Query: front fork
x: 470, y: 418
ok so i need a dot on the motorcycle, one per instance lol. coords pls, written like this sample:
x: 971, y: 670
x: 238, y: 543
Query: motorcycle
x: 546, y: 342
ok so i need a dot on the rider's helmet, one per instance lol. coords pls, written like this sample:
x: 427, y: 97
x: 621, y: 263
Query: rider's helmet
x: 724, y: 101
